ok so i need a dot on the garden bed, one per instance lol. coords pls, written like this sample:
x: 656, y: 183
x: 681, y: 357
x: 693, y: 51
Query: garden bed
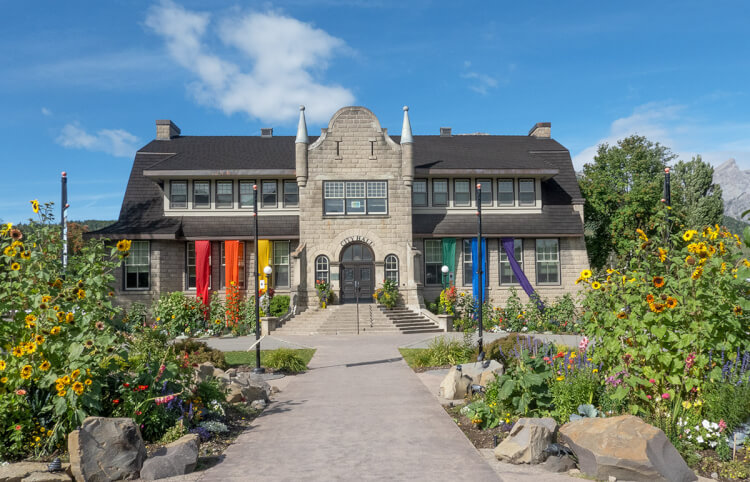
x: 481, y: 439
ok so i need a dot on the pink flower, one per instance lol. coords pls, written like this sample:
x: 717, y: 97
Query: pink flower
x: 583, y: 344
x: 651, y: 380
x: 665, y: 396
x: 722, y: 425
x: 20, y: 392
x: 648, y: 396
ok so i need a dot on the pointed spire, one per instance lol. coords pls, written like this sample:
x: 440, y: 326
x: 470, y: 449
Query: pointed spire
x: 302, y: 128
x: 406, y: 137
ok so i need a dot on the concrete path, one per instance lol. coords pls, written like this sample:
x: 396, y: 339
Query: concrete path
x: 359, y: 413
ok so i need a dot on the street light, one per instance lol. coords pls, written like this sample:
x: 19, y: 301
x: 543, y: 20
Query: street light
x: 258, y: 368
x: 267, y: 271
x: 445, y: 270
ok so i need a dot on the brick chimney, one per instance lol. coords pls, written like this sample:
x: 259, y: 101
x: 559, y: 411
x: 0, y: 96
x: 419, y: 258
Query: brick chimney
x: 166, y: 129
x: 266, y: 131
x: 445, y: 132
x: 541, y: 130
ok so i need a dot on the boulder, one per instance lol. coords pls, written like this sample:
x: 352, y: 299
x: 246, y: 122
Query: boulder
x: 454, y: 386
x: 558, y: 464
x: 258, y: 405
x: 257, y: 387
x: 204, y: 371
x: 527, y: 440
x: 30, y: 472
x: 234, y: 395
x: 178, y: 458
x: 476, y: 371
x: 232, y: 372
x: 47, y: 477
x: 626, y: 448
x: 106, y: 449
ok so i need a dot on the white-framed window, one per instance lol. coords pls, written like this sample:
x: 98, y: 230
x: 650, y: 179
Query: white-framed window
x: 486, y: 185
x: 506, y: 272
x: 201, y: 194
x: 322, y: 269
x: 224, y: 194
x: 246, y: 194
x: 137, y: 266
x: 462, y: 192
x: 468, y: 263
x: 547, y: 261
x: 506, y: 195
x: 268, y: 196
x: 355, y: 197
x: 240, y: 266
x: 177, y: 194
x: 526, y: 192
x: 291, y: 194
x: 433, y: 261
x: 439, y: 192
x: 391, y: 268
x: 419, y: 193
x: 281, y: 263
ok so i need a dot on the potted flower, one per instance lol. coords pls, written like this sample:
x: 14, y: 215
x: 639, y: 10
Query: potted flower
x: 388, y: 294
x: 324, y: 292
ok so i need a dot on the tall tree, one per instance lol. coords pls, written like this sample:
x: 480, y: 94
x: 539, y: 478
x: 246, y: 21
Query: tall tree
x: 623, y: 190
x: 695, y: 197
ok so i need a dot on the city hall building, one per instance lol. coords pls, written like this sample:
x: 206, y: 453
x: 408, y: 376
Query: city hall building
x: 354, y: 204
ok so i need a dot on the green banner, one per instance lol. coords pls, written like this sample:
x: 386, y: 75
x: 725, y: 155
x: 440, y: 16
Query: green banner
x: 449, y: 256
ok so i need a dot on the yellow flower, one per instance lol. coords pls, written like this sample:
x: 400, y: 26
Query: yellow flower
x: 6, y: 229
x: 66, y: 380
x: 689, y: 235
x: 29, y: 318
x: 61, y: 393
x: 81, y: 294
x: 76, y: 373
x: 30, y: 347
x: 55, y: 330
x: 698, y: 403
x: 15, y: 266
x: 35, y: 205
x: 662, y: 254
x: 39, y: 339
x: 560, y: 378
x: 641, y: 234
x: 697, y: 273
x: 78, y: 388
x: 9, y: 251
x: 2, y: 365
x: 25, y: 254
x: 18, y: 351
x: 4, y: 380
x: 88, y: 382
x: 686, y: 405
x: 123, y: 245
x: 46, y: 299
x: 69, y: 317
x: 59, y: 386
x: 595, y: 370
x: 45, y: 366
x: 586, y: 274
x: 26, y: 372
x: 596, y: 285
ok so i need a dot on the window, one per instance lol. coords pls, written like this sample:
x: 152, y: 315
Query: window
x: 391, y: 268
x: 526, y: 194
x: 268, y: 194
x: 138, y: 266
x: 506, y: 272
x: 505, y: 194
x: 291, y: 194
x: 355, y: 197
x: 461, y: 193
x: 547, y: 261
x: 468, y: 265
x: 322, y: 269
x: 190, y: 265
x: 439, y: 192
x: 433, y: 261
x: 281, y: 263
x: 177, y: 194
x: 419, y: 193
x: 201, y: 194
x: 246, y: 194
x: 224, y: 194
x: 486, y: 185
x: 240, y: 265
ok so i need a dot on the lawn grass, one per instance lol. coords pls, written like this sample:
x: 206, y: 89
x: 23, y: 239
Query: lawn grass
x: 236, y: 358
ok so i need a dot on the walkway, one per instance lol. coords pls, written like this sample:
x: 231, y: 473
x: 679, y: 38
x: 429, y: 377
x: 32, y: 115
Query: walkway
x: 359, y: 413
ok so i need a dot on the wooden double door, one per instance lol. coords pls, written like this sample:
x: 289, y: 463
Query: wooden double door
x: 357, y: 270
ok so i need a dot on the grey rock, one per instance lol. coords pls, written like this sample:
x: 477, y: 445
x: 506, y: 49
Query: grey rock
x: 47, y: 477
x: 178, y: 458
x: 106, y: 449
x: 258, y: 405
x: 527, y: 440
x: 204, y: 371
x: 454, y: 386
x: 559, y: 464
x: 232, y: 372
x: 258, y: 388
x: 17, y: 472
x: 714, y: 475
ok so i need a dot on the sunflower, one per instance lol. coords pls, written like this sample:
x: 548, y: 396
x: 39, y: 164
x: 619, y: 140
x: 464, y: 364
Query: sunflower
x: 662, y: 254
x: 649, y: 298
x: 30, y: 318
x: 81, y: 294
x: 15, y: 266
x: 2, y: 365
x: 89, y: 343
x: 26, y: 255
x: 689, y: 235
x: 657, y: 307
x: 78, y: 388
x: 585, y: 274
x: 66, y: 380
x: 60, y: 316
x: 55, y: 330
x: 61, y: 393
x: 45, y: 366
x: 59, y: 386
x: 30, y: 347
x: 99, y: 325
x: 18, y: 351
x: 697, y: 273
x: 16, y: 234
x: 46, y: 299
x: 76, y: 373
x: 9, y: 251
x: 88, y: 382
x: 622, y: 315
x: 737, y: 311
x: 596, y: 285
x: 35, y: 205
x: 642, y: 235
x: 123, y: 245
x: 4, y: 380
x: 6, y: 229
x: 26, y: 372
x: 658, y: 281
x: 39, y: 339
x: 69, y: 317
x: 671, y: 302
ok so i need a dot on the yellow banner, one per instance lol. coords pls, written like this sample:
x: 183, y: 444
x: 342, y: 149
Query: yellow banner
x: 264, y: 257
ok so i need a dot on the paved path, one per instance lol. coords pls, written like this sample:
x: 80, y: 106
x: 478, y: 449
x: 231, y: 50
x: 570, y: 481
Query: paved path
x: 359, y: 413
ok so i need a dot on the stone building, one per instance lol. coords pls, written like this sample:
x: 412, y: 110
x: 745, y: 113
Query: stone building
x: 352, y: 205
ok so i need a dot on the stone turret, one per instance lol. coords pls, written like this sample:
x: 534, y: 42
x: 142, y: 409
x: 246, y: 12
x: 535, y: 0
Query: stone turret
x: 407, y: 152
x: 300, y: 144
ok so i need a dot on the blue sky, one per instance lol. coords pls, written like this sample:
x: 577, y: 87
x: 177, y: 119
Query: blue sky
x: 83, y: 82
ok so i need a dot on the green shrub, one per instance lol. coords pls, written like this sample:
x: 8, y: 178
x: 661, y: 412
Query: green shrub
x: 145, y: 345
x: 173, y: 433
x: 279, y: 305
x: 523, y: 389
x: 580, y: 387
x: 198, y: 352
x: 502, y: 349
x: 446, y: 351
x: 388, y: 294
x: 286, y: 360
x: 178, y: 314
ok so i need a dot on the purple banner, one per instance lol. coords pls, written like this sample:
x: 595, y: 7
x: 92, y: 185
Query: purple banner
x: 509, y: 248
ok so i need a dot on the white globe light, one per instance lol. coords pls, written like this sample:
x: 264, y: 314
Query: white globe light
x: 267, y: 270
x: 444, y: 269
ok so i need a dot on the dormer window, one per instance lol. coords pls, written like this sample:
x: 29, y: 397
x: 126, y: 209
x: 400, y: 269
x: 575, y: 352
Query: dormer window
x: 178, y: 194
x: 201, y: 194
x: 224, y: 194
x: 505, y: 192
x: 526, y: 192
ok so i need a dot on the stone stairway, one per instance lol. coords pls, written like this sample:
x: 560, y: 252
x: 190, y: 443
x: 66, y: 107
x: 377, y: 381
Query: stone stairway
x: 342, y: 320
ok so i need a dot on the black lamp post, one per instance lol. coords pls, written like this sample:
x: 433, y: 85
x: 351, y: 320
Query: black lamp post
x: 445, y: 270
x: 64, y: 220
x: 258, y: 368
x: 479, y: 264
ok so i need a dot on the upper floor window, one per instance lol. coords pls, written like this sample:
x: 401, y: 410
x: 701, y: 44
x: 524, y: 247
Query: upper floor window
x: 419, y: 193
x: 461, y: 192
x: 268, y: 194
x: 355, y: 197
x: 224, y: 194
x: 439, y: 192
x: 505, y: 192
x: 177, y: 194
x: 526, y: 192
x: 547, y: 261
x: 138, y: 266
x: 246, y: 194
x: 507, y: 277
x: 291, y: 194
x: 201, y: 194
x: 486, y: 185
x: 391, y: 268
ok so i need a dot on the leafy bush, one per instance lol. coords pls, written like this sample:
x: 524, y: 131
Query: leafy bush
x: 482, y: 414
x: 286, y: 360
x: 388, y: 294
x: 579, y: 388
x: 445, y: 351
x: 447, y: 300
x: 178, y: 314
x: 194, y: 352
x: 279, y: 305
x: 503, y: 348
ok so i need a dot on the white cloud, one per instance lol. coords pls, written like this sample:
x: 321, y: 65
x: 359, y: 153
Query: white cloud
x: 480, y: 83
x: 116, y: 142
x: 283, y: 53
x: 46, y: 112
x: 681, y: 129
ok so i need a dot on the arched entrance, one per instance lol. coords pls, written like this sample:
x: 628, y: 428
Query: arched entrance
x: 357, y: 272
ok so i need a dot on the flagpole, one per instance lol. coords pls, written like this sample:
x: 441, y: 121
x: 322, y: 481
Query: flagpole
x: 479, y: 264
x: 64, y: 220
